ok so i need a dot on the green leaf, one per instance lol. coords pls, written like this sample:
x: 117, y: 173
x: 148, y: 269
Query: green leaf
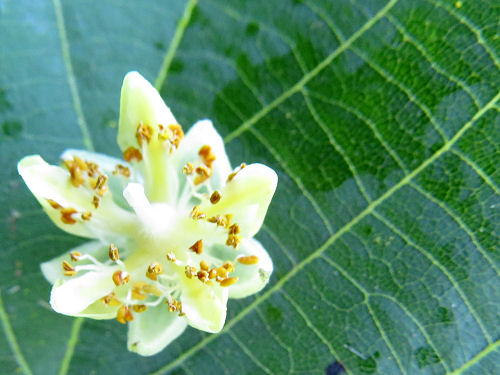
x: 382, y: 120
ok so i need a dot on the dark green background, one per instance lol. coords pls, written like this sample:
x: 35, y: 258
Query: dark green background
x: 382, y: 121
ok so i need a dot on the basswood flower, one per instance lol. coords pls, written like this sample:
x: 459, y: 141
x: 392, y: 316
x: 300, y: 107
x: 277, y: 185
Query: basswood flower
x: 172, y: 225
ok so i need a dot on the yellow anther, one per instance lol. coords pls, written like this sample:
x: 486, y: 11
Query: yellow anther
x: 232, y: 175
x: 229, y: 218
x: 234, y: 229
x: 163, y: 134
x: 222, y: 272
x: 204, y: 174
x: 229, y: 266
x: 212, y: 274
x: 100, y: 185
x: 86, y: 215
x: 137, y: 289
x: 67, y: 267
x: 154, y: 270
x: 207, y: 155
x: 204, y: 265
x: 228, y: 281
x: 188, y: 169
x: 215, y: 197
x: 233, y: 240
x: 69, y: 273
x: 171, y: 256
x: 177, y: 134
x: 113, y: 253
x: 120, y: 277
x: 202, y: 275
x: 139, y: 308
x: 110, y: 300
x: 75, y: 172
x: 132, y: 153
x: 75, y: 256
x: 197, y: 214
x: 124, y: 315
x: 95, y: 201
x: 219, y: 220
x: 197, y: 247
x: 121, y: 169
x: 93, y: 169
x: 54, y: 204
x: 189, y: 271
x: 143, y: 133
x: 66, y: 215
x: 248, y: 260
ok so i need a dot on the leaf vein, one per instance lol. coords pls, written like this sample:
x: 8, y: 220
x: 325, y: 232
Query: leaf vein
x: 12, y: 341
x: 174, y: 44
x: 441, y: 267
x: 310, y: 75
x: 487, y: 179
x: 249, y: 353
x: 70, y: 75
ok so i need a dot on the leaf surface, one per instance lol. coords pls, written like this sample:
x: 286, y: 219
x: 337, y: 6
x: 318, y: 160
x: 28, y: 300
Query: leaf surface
x: 382, y: 121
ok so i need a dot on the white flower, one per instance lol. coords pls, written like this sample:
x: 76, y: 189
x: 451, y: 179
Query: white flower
x: 172, y: 225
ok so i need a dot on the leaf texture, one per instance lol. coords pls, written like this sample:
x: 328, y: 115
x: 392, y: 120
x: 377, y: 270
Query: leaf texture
x: 382, y: 120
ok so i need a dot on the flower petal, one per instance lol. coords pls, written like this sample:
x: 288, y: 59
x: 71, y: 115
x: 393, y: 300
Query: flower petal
x: 49, y: 182
x: 247, y: 196
x: 251, y: 277
x: 52, y: 270
x: 203, y: 133
x: 99, y: 310
x: 72, y: 296
x: 142, y: 105
x: 204, y: 306
x: 153, y: 329
x: 108, y: 165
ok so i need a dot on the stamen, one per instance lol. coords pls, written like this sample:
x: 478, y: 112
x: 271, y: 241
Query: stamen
x: 233, y: 240
x: 66, y: 215
x: 197, y: 214
x: 178, y: 134
x: 86, y: 215
x: 93, y: 169
x: 215, y: 197
x: 54, y: 204
x: 222, y: 272
x: 75, y: 255
x: 68, y: 269
x: 202, y: 275
x: 120, y: 277
x: 121, y: 169
x: 95, y: 201
x: 143, y: 133
x: 113, y: 253
x: 162, y: 133
x: 204, y: 265
x: 190, y: 271
x: 232, y: 175
x: 234, y: 229
x: 75, y: 172
x: 207, y: 155
x: 124, y: 315
x: 132, y: 153
x: 229, y: 266
x: 229, y: 281
x: 248, y: 260
x: 154, y: 270
x: 219, y: 220
x: 188, y: 169
x: 139, y: 308
x: 171, y: 256
x: 197, y: 247
x: 212, y: 274
x: 110, y: 300
x: 100, y: 185
x: 204, y: 174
